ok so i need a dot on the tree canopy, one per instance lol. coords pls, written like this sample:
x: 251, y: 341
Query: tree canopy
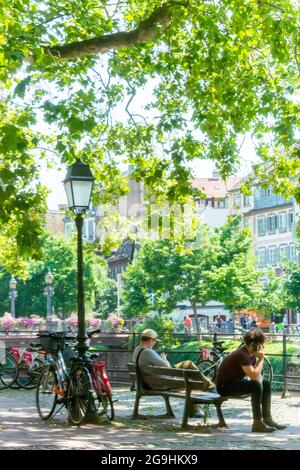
x: 221, y: 269
x: 292, y: 284
x: 58, y: 255
x: 156, y: 84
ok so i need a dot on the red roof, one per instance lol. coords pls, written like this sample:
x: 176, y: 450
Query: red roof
x: 214, y: 187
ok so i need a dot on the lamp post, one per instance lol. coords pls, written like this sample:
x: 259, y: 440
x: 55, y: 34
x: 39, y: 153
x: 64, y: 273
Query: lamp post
x: 79, y: 183
x: 49, y: 292
x: 119, y: 281
x: 13, y: 295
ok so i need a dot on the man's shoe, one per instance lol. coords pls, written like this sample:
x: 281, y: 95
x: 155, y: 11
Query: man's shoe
x: 272, y: 423
x: 262, y: 427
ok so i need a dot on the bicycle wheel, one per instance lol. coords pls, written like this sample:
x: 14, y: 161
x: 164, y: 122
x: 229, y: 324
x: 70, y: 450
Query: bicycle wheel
x: 267, y: 371
x: 28, y: 375
x: 46, y: 397
x: 208, y: 368
x: 104, y: 406
x: 79, y: 395
x: 8, y: 371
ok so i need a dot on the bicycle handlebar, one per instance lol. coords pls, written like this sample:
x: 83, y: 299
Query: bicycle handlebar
x: 51, y: 334
x: 93, y: 332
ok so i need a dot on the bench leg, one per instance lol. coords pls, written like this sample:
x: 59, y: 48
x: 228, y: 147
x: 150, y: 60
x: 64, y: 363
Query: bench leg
x: 222, y: 422
x: 136, y: 405
x: 186, y: 414
x: 170, y: 413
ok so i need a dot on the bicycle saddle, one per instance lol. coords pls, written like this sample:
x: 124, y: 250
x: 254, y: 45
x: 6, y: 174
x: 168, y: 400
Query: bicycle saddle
x: 35, y: 345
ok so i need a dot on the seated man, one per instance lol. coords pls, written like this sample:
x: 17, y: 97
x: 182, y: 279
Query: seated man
x: 248, y: 361
x: 145, y: 356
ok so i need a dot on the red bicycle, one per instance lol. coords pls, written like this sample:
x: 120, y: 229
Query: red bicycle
x: 102, y: 391
x: 101, y: 388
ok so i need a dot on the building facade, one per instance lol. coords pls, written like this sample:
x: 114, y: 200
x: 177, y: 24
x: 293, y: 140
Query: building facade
x: 273, y: 222
x: 55, y: 222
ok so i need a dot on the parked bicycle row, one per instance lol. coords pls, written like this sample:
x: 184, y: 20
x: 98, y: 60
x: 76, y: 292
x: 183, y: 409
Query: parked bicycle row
x: 60, y: 377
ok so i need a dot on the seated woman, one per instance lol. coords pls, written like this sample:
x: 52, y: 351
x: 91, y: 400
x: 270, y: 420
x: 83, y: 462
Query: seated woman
x: 231, y: 380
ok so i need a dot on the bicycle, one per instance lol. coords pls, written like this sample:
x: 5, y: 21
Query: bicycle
x: 211, y: 360
x: 102, y: 391
x: 30, y: 365
x: 8, y: 369
x: 102, y: 388
x: 61, y: 385
x: 84, y: 385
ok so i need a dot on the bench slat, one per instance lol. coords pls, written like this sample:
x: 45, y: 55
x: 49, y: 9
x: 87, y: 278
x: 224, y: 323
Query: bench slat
x: 192, y: 374
x: 171, y: 382
x: 166, y: 371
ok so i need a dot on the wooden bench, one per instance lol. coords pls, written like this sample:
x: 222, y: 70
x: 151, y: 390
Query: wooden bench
x: 181, y: 383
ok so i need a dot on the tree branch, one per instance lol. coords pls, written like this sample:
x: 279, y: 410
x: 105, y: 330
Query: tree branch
x: 147, y: 31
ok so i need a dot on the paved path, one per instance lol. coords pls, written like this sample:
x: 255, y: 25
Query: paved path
x: 21, y: 428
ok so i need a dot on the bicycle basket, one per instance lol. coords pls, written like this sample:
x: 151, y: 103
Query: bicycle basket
x: 49, y: 344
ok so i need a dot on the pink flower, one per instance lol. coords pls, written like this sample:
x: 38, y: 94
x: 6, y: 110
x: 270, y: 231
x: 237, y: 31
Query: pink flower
x: 28, y: 323
x: 73, y: 320
x: 8, y: 321
x: 95, y: 322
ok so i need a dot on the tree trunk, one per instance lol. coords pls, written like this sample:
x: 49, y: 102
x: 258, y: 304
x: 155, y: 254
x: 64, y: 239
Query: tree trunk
x: 194, y: 308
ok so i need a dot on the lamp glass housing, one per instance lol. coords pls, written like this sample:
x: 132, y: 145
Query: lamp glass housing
x: 79, y: 183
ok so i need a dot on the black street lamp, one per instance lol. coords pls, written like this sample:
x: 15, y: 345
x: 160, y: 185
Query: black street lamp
x: 13, y: 295
x: 79, y: 183
x: 49, y: 292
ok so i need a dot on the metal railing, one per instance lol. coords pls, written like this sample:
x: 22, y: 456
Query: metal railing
x: 116, y: 349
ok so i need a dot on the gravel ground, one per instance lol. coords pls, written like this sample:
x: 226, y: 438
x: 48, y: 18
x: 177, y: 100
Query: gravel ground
x: 21, y: 428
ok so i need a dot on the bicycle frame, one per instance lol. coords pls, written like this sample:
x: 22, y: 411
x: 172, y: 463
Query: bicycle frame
x: 100, y: 378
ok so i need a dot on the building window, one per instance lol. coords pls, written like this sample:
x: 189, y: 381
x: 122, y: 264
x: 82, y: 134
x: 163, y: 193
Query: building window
x: 282, y: 222
x: 237, y: 200
x: 293, y: 254
x: 261, y: 257
x: 291, y: 220
x: 261, y: 226
x: 91, y: 230
x: 88, y: 229
x: 246, y: 221
x: 273, y: 258
x: 283, y: 252
x: 272, y: 224
x: 69, y: 228
x: 221, y: 203
x: 246, y: 200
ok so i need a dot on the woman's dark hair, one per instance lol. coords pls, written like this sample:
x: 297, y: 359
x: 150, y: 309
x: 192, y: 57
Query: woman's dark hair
x: 255, y: 338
